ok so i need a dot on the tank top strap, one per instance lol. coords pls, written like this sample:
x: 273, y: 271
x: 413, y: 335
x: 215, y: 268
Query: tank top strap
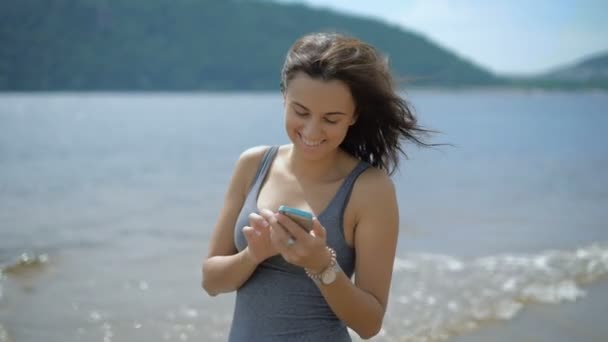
x: 263, y: 169
x: 343, y: 194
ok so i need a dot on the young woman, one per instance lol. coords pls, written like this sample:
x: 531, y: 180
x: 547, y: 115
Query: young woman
x: 346, y: 124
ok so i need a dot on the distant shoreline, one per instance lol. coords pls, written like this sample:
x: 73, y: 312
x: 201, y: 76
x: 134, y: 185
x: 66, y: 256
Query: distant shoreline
x: 463, y: 88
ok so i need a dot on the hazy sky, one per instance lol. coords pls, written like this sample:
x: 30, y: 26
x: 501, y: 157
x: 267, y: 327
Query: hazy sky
x: 505, y: 36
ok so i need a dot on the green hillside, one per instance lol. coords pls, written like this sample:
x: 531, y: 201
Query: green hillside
x: 590, y: 72
x: 190, y: 44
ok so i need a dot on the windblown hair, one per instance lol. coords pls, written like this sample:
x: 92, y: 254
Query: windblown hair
x: 383, y: 117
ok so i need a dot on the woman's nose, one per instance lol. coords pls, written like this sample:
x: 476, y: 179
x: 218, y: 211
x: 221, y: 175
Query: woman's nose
x: 312, y: 129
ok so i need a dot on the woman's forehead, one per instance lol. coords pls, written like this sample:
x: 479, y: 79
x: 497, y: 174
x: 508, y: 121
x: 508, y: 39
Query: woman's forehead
x: 320, y: 95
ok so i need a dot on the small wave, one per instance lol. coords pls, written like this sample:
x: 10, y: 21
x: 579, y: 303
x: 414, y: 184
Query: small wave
x: 436, y: 296
x: 24, y: 263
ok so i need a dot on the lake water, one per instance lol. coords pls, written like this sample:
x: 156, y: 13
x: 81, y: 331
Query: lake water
x: 107, y: 201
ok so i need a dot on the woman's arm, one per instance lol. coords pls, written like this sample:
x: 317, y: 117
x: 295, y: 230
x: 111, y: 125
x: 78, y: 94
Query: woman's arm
x: 225, y: 270
x: 362, y: 305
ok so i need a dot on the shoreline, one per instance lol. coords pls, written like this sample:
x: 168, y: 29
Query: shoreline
x: 239, y: 91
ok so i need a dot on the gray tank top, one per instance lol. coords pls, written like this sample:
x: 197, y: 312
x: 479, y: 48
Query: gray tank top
x: 279, y: 302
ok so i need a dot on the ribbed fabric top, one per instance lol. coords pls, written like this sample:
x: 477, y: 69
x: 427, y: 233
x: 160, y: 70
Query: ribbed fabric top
x: 279, y: 302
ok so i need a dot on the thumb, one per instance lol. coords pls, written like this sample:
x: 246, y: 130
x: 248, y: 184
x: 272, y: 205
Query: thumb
x: 317, y: 229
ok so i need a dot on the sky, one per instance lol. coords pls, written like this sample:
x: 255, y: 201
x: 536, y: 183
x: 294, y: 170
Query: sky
x: 508, y: 37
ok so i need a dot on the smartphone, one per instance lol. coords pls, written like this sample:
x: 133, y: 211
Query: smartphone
x: 301, y: 217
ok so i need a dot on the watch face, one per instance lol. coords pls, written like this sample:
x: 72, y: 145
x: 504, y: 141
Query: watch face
x: 328, y: 276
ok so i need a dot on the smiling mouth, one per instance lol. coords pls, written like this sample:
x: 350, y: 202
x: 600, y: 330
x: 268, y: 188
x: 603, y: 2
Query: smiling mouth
x: 310, y: 143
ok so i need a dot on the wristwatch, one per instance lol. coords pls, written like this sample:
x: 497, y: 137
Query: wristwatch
x: 329, y: 274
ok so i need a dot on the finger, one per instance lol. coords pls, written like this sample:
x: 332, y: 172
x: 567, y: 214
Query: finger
x: 257, y: 221
x: 279, y: 236
x: 279, y: 233
x: 267, y: 215
x: 271, y: 218
x: 249, y: 233
x: 292, y: 227
x: 278, y: 240
x: 318, y: 230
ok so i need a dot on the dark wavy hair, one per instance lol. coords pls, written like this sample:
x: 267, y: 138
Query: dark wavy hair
x: 384, y: 118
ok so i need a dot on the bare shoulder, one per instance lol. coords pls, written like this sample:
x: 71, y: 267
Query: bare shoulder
x: 247, y: 164
x: 251, y: 158
x: 252, y: 155
x: 373, y: 185
x: 373, y: 196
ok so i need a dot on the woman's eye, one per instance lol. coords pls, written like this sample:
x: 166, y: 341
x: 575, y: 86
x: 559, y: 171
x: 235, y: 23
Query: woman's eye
x: 301, y: 114
x: 330, y: 121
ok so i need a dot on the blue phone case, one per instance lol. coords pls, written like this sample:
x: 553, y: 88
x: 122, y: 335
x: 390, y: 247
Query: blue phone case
x: 301, y: 217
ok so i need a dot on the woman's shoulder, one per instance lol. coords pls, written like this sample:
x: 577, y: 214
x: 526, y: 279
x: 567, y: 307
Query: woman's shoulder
x: 373, y: 186
x: 247, y: 164
x: 253, y: 155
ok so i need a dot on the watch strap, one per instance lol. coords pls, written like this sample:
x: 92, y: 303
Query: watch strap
x: 333, y: 266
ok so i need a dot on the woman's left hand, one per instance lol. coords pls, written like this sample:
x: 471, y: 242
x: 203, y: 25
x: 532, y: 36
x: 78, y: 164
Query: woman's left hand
x: 309, y: 249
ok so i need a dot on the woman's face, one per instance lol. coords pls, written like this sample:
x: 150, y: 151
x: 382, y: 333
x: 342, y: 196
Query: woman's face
x: 317, y: 114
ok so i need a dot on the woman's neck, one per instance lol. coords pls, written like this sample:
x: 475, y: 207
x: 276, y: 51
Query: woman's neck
x: 326, y: 169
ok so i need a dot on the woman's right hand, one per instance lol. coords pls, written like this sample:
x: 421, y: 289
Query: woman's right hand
x: 257, y: 234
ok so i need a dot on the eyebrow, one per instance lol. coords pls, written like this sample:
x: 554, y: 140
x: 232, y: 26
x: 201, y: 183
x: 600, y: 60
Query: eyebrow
x: 328, y: 113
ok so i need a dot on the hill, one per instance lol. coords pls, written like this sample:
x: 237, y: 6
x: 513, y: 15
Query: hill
x: 590, y: 72
x: 191, y: 45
